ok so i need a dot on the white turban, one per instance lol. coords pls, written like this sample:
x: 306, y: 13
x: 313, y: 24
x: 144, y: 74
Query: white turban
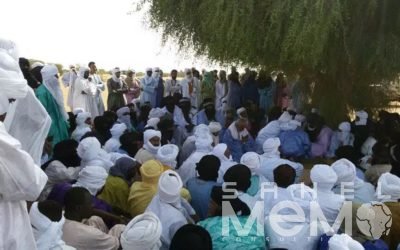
x: 4, y: 104
x: 82, y: 117
x: 219, y: 151
x: 114, y: 74
x: 388, y: 185
x: 147, y: 135
x: 201, y: 130
x: 343, y: 242
x: 169, y: 187
x: 240, y: 111
x: 92, y: 178
x: 345, y: 126
x: 47, y: 233
x: 271, y: 147
x: 300, y: 118
x: 285, y: 117
x: 363, y: 117
x: 13, y: 84
x: 149, y: 69
x: 251, y: 160
x: 118, y: 129
x: 49, y: 71
x: 153, y: 122
x: 167, y: 155
x: 37, y: 64
x: 366, y: 148
x: 121, y: 111
x: 142, y: 233
x: 156, y: 113
x: 214, y: 127
x: 345, y: 170
x: 82, y: 70
x: 88, y: 148
x: 272, y: 129
x: 324, y: 176
x: 78, y: 110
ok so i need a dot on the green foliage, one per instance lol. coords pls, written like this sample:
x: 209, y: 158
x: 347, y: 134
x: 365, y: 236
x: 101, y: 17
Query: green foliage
x: 341, y: 46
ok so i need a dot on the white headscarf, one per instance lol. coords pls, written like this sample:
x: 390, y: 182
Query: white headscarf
x: 156, y: 113
x: 117, y: 130
x: 4, y: 104
x: 251, y: 160
x: 344, y: 131
x: 77, y: 111
x: 201, y: 130
x: 204, y: 144
x: 126, y: 119
x: 324, y: 176
x: 50, y: 81
x: 82, y: 70
x: 113, y: 144
x: 147, y: 135
x: 114, y: 76
x: 82, y: 127
x: 92, y: 178
x: 153, y: 122
x: 343, y: 242
x: 285, y: 117
x: 366, y: 148
x: 215, y: 127
x: 167, y: 155
x: 169, y: 187
x: 219, y: 151
x: 47, y: 233
x: 156, y: 75
x: 81, y: 119
x: 13, y: 84
x: 388, y: 185
x: 345, y: 170
x: 142, y: 233
x: 271, y: 148
x: 363, y: 118
x: 237, y: 135
x: 89, y: 150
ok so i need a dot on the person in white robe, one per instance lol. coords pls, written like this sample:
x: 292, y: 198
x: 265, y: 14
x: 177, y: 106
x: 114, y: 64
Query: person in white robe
x: 215, y: 129
x: 91, y: 154
x: 100, y: 87
x: 271, y: 130
x: 85, y: 92
x: 68, y: 80
x: 172, y: 210
x: 347, y: 180
x: 124, y: 116
x: 341, y: 137
x: 21, y: 179
x: 175, y: 111
x: 224, y: 155
x: 271, y: 159
x: 173, y: 85
x: 221, y: 89
x: 151, y: 144
x: 203, y: 145
x: 167, y: 155
x: 253, y: 161
x: 113, y: 144
x: 148, y: 86
x: 324, y: 178
x: 92, y: 178
x: 191, y: 88
x: 47, y: 231
x: 143, y: 232
x: 83, y: 126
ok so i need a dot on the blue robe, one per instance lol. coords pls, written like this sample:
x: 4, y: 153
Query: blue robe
x: 159, y: 92
x: 200, y: 118
x: 236, y: 147
x: 295, y: 143
x: 250, y: 92
x: 200, y: 191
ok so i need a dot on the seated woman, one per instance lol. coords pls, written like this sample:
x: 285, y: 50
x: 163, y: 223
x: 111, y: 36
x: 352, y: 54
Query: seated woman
x: 116, y: 189
x: 241, y: 207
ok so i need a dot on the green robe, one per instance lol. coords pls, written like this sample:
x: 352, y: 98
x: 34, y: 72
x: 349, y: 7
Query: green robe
x: 59, y: 127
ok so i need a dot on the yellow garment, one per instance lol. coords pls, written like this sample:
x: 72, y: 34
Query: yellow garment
x: 116, y: 193
x: 143, y: 155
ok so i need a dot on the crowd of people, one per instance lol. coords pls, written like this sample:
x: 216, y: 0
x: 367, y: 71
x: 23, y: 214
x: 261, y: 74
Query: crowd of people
x: 150, y: 167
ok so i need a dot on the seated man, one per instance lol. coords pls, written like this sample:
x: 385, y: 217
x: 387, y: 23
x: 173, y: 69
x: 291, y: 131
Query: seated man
x: 93, y: 234
x: 151, y: 144
x: 207, y: 114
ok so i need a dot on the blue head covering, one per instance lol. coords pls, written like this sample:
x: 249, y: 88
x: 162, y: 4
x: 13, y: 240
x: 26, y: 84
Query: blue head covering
x: 122, y: 168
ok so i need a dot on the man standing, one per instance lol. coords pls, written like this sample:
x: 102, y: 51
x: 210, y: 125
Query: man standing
x: 173, y: 85
x: 20, y: 178
x: 157, y: 75
x: 100, y: 86
x: 149, y: 86
x: 68, y: 80
x: 190, y: 87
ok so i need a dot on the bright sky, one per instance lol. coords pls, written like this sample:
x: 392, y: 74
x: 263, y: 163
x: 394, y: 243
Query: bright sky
x: 79, y: 31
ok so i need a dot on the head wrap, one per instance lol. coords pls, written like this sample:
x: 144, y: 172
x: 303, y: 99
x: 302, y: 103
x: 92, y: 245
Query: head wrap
x: 271, y: 130
x: 153, y: 122
x: 81, y: 119
x: 89, y: 150
x: 363, y: 118
x: 251, y: 160
x: 13, y: 84
x: 82, y: 70
x: 345, y: 126
x: 271, y: 147
x: 147, y: 135
x: 156, y: 72
x: 117, y: 130
x: 169, y: 187
x: 366, y: 148
x: 4, y: 104
x: 388, y: 185
x: 285, y: 117
x: 167, y: 155
x: 345, y: 170
x: 78, y: 110
x: 156, y: 113
x: 47, y: 233
x: 124, y: 116
x: 214, y: 127
x: 123, y: 166
x: 142, y: 233
x: 240, y: 111
x: 151, y: 171
x: 219, y: 151
x: 114, y: 74
x: 343, y: 242
x: 204, y: 144
x: 148, y: 69
x: 201, y: 130
x: 324, y: 176
x: 92, y: 178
